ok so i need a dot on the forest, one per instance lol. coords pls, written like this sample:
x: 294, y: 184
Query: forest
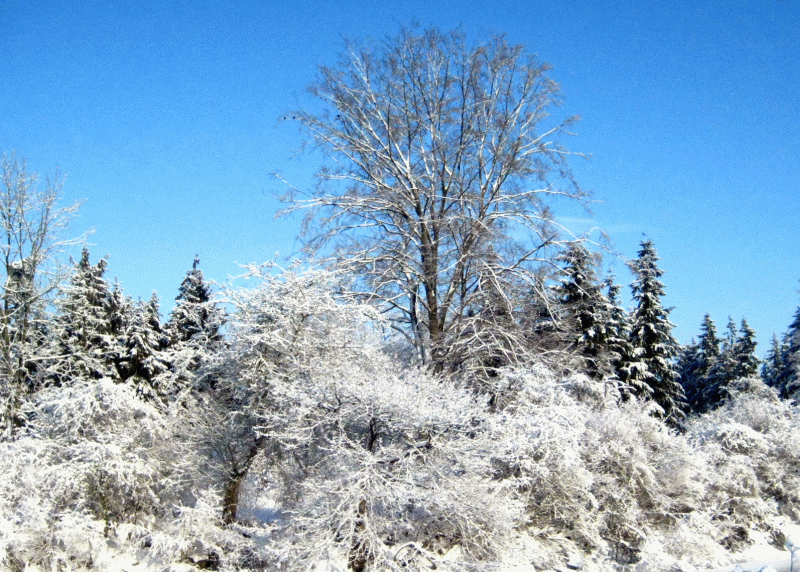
x: 445, y: 381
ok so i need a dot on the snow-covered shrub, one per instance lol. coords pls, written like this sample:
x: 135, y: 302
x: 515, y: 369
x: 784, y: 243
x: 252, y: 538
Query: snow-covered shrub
x: 593, y: 473
x: 386, y: 466
x: 93, y: 458
x: 751, y: 444
x: 645, y: 476
x: 396, y: 474
x: 397, y: 470
x: 538, y: 434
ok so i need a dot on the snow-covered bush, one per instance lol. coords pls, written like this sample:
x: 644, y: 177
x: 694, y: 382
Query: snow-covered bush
x: 396, y: 470
x: 645, y: 476
x: 538, y: 435
x: 389, y: 467
x: 751, y: 444
x: 594, y: 473
x: 93, y: 458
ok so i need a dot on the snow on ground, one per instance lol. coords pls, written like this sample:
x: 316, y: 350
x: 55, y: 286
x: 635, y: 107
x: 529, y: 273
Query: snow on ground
x: 763, y: 556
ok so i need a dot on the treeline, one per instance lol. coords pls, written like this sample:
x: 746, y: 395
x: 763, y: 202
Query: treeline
x: 92, y: 330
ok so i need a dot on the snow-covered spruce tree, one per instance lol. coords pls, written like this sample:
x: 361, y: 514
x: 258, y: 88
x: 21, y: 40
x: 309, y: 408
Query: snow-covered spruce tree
x: 653, y: 376
x: 194, y: 330
x: 686, y: 366
x: 694, y: 365
x: 746, y: 362
x: 87, y: 326
x: 787, y: 379
x: 581, y: 306
x: 721, y: 371
x: 141, y: 360
x: 773, y: 363
x: 708, y: 345
x: 735, y: 360
x: 196, y: 316
x: 618, y: 344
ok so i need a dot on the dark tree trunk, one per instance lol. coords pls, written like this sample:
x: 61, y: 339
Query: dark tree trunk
x: 230, y: 500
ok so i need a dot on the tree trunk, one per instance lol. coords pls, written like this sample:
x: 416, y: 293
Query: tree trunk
x: 230, y: 500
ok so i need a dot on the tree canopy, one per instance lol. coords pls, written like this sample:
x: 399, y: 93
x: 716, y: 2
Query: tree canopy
x: 443, y: 157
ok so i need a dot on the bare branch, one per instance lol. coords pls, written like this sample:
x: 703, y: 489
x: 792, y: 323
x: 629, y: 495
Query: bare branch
x: 442, y: 155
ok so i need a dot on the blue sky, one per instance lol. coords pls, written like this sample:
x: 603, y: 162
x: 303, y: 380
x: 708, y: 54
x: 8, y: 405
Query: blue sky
x: 164, y: 116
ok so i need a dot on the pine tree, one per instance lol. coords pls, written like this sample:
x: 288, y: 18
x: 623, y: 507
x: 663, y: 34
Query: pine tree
x: 651, y: 337
x: 787, y: 379
x: 733, y: 362
x: 744, y: 352
x: 87, y: 325
x: 722, y: 371
x: 142, y: 361
x: 196, y: 316
x: 709, y: 345
x: 773, y: 363
x: 195, y: 331
x: 581, y: 305
x: 618, y: 345
x: 687, y: 367
x: 694, y: 366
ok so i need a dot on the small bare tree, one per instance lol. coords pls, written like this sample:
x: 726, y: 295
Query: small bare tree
x: 32, y: 237
x: 444, y: 157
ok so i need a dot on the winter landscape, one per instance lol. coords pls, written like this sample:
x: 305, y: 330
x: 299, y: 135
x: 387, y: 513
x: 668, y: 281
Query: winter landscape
x: 445, y: 379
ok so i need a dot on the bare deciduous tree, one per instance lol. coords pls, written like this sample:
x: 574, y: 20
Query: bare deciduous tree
x: 445, y: 156
x: 32, y: 237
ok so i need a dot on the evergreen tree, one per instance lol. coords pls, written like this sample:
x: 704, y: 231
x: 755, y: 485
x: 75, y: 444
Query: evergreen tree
x: 722, y: 370
x: 651, y: 337
x: 708, y: 384
x: 581, y: 305
x: 687, y: 367
x: 194, y: 330
x: 695, y: 363
x: 142, y: 361
x: 618, y: 345
x: 773, y: 363
x: 735, y: 360
x: 709, y: 345
x: 744, y: 352
x: 787, y: 379
x: 87, y: 326
x: 196, y: 316
x: 707, y: 374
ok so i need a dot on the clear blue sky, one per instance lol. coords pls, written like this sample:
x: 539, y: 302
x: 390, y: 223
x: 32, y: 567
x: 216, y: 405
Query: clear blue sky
x: 164, y: 116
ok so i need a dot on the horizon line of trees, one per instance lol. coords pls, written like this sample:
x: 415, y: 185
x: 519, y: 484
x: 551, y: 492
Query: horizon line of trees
x: 69, y: 323
x: 97, y: 331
